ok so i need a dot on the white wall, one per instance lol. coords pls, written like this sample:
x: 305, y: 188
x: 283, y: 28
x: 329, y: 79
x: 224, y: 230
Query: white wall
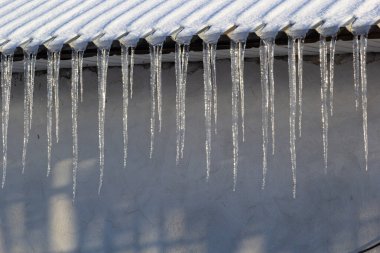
x: 155, y: 206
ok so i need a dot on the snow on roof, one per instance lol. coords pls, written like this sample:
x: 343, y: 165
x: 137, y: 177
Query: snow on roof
x: 32, y: 23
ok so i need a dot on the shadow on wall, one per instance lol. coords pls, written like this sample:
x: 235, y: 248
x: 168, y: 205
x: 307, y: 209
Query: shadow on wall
x: 155, y: 206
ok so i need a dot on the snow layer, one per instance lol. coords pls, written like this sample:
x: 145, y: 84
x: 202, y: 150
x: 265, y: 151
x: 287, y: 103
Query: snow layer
x: 54, y: 22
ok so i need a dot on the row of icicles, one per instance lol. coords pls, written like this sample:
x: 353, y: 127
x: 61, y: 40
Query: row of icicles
x: 237, y: 49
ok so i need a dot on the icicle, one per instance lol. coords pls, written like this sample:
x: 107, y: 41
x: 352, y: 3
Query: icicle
x: 181, y: 61
x: 33, y: 59
x: 240, y: 73
x: 156, y: 94
x: 212, y: 48
x: 210, y: 97
x: 126, y: 72
x: 331, y: 73
x: 234, y: 51
x: 102, y: 57
x: 324, y: 90
x: 56, y: 61
x: 131, y: 70
x: 29, y: 67
x: 363, y: 74
x: 159, y: 85
x: 153, y: 97
x: 300, y: 43
x: 52, y: 91
x: 185, y: 61
x: 75, y: 69
x: 242, y: 87
x: 80, y: 73
x: 270, y: 54
x: 49, y: 106
x: 356, y: 64
x: 237, y: 74
x: 6, y: 79
x: 264, y: 104
x: 293, y: 107
x: 178, y: 58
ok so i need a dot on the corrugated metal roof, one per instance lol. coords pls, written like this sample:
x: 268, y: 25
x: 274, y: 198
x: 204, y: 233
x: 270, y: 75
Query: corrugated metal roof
x: 33, y: 23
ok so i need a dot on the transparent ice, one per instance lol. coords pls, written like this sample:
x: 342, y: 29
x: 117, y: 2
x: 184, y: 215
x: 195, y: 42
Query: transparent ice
x: 6, y: 80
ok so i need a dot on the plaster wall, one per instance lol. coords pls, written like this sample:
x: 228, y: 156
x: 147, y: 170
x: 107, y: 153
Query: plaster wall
x: 155, y: 206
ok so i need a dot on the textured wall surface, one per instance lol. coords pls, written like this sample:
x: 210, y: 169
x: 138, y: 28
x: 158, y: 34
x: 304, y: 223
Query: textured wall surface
x: 155, y: 206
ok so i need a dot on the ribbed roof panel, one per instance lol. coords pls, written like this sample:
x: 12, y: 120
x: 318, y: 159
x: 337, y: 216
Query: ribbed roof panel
x: 32, y: 23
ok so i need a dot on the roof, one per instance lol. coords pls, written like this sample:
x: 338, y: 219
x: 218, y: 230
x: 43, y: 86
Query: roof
x: 55, y: 23
x: 37, y: 21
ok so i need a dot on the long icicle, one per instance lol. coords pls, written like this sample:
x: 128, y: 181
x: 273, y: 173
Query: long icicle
x: 56, y: 62
x: 125, y: 69
x: 185, y: 60
x: 324, y: 90
x: 52, y: 94
x: 178, y: 58
x: 75, y: 69
x: 293, y: 107
x: 6, y: 79
x: 356, y: 67
x: 240, y: 65
x: 153, y: 98
x: 264, y: 105
x: 49, y: 107
x: 181, y: 61
x: 179, y: 74
x: 270, y: 52
x: 363, y: 74
x: 29, y: 67
x: 159, y: 84
x: 153, y: 92
x: 103, y: 55
x: 331, y: 73
x: 234, y: 51
x: 300, y: 44
x: 208, y: 98
x: 212, y: 48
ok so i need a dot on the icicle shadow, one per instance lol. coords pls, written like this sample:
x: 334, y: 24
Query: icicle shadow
x: 29, y: 71
x: 6, y: 79
x: 181, y: 62
x: 102, y: 60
